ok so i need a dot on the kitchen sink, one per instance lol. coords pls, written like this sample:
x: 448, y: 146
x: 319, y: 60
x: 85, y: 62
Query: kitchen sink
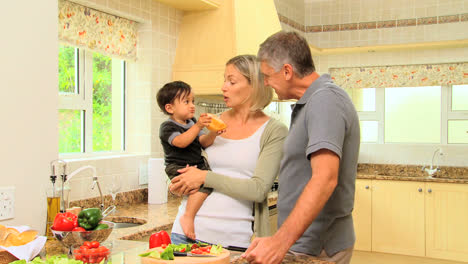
x: 125, y: 225
x: 125, y: 222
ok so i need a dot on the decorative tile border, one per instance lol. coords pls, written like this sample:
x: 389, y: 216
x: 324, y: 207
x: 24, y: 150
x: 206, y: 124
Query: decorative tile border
x: 406, y: 22
x: 376, y: 24
x: 427, y: 20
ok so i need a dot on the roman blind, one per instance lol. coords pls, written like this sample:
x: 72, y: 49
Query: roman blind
x: 91, y: 29
x: 401, y: 75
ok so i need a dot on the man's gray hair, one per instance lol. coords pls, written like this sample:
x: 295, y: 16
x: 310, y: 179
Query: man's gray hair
x: 287, y: 48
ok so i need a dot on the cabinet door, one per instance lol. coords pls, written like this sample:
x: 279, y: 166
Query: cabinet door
x: 398, y: 217
x: 362, y: 215
x: 447, y: 221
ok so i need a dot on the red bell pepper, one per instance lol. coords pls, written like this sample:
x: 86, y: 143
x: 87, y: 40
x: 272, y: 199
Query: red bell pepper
x: 65, y: 221
x: 159, y: 238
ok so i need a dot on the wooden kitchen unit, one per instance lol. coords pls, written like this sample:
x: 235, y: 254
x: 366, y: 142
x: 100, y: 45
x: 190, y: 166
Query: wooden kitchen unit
x: 412, y: 216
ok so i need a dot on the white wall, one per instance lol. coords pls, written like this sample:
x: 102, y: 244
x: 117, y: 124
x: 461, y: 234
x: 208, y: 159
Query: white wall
x: 28, y: 108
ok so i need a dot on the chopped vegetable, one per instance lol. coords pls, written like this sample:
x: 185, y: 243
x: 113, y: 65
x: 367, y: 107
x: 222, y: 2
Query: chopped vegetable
x: 168, y: 254
x: 62, y: 259
x: 151, y: 254
x: 216, y: 249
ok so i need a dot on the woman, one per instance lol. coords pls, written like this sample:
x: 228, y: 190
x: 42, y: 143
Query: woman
x: 245, y: 161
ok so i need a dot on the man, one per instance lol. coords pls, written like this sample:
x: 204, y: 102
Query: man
x: 318, y: 170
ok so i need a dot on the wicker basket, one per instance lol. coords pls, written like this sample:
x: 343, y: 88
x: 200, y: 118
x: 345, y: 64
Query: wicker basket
x: 6, y: 257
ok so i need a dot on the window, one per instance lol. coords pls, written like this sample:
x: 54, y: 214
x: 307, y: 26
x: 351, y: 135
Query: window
x: 92, y: 102
x: 434, y: 115
x: 412, y: 114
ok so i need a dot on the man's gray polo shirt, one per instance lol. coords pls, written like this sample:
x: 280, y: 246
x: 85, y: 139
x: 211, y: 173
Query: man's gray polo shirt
x: 323, y: 118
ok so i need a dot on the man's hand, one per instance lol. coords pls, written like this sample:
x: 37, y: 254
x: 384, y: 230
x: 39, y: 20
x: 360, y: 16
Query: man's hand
x: 188, y: 182
x: 266, y: 250
x: 204, y: 120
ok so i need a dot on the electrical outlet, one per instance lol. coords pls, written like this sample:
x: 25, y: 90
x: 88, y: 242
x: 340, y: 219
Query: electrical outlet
x: 143, y: 174
x: 7, y: 202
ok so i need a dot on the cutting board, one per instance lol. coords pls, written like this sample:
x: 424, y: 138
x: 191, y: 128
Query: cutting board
x: 223, y: 258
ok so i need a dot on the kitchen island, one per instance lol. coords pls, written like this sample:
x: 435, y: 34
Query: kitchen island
x: 151, y: 218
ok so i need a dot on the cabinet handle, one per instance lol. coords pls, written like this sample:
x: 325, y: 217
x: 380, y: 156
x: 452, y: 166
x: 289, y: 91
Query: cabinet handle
x: 420, y: 190
x: 367, y: 187
x: 429, y: 191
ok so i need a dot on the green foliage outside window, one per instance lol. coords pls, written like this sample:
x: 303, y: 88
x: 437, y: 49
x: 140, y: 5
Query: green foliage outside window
x: 70, y: 121
x: 66, y: 69
x: 102, y: 102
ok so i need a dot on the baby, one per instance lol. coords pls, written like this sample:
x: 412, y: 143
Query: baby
x: 182, y: 139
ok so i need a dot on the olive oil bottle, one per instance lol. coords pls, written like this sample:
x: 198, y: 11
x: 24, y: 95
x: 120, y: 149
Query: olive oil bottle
x: 53, y: 208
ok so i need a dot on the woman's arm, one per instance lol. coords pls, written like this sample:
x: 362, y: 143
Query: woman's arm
x: 253, y: 189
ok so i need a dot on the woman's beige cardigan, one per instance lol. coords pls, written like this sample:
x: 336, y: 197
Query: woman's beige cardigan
x: 256, y: 188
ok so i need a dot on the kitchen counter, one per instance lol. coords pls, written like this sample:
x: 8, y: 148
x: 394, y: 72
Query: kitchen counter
x: 155, y: 217
x: 152, y: 217
x: 454, y: 179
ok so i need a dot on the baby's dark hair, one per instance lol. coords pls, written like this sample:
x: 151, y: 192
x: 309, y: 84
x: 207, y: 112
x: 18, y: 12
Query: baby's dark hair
x: 170, y: 92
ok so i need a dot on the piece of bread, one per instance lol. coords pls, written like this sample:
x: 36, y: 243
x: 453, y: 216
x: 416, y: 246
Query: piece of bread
x: 216, y: 124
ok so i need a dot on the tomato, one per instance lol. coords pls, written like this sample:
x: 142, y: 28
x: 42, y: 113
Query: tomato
x: 196, y: 251
x: 94, y: 244
x: 78, y: 229
x: 103, y: 251
x: 205, y: 249
x: 194, y: 246
x: 87, y: 244
x: 78, y: 256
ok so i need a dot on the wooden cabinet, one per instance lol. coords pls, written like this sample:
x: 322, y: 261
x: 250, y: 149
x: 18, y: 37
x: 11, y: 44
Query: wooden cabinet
x: 447, y: 221
x: 398, y: 217
x: 362, y: 215
x: 412, y: 218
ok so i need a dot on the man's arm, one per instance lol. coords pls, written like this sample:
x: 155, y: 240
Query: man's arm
x: 325, y: 166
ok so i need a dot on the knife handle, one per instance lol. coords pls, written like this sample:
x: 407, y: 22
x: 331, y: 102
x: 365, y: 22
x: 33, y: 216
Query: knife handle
x: 180, y: 254
x: 234, y: 248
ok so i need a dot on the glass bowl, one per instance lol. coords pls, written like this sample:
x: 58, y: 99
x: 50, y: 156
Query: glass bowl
x: 99, y: 255
x: 71, y: 239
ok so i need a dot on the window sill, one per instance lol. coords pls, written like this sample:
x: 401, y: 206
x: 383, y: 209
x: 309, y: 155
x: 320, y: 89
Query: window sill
x: 98, y: 156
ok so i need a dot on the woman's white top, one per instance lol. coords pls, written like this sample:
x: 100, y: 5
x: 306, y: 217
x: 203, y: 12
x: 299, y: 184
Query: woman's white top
x: 223, y: 219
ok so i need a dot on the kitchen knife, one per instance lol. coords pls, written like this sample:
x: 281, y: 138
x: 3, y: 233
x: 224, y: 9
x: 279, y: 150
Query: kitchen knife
x: 188, y: 254
x: 234, y: 248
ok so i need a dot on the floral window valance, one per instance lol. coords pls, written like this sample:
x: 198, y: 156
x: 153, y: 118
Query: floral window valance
x: 401, y: 75
x: 91, y: 29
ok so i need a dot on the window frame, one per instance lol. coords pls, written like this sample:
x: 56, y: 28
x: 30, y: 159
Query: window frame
x: 446, y: 115
x: 83, y: 101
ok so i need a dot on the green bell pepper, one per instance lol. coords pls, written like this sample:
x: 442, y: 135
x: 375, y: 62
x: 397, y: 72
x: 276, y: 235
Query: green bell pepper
x: 101, y: 226
x: 89, y: 218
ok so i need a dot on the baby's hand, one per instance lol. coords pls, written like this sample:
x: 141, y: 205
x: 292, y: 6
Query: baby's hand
x: 204, y: 120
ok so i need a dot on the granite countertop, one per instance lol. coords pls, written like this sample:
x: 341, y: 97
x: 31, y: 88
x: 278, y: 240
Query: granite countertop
x: 152, y: 217
x: 373, y: 176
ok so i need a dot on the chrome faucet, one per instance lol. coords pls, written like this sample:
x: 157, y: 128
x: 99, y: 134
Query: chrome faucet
x: 433, y: 169
x: 95, y: 181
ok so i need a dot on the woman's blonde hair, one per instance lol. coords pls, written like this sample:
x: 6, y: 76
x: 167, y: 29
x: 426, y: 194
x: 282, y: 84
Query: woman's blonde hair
x: 249, y: 67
